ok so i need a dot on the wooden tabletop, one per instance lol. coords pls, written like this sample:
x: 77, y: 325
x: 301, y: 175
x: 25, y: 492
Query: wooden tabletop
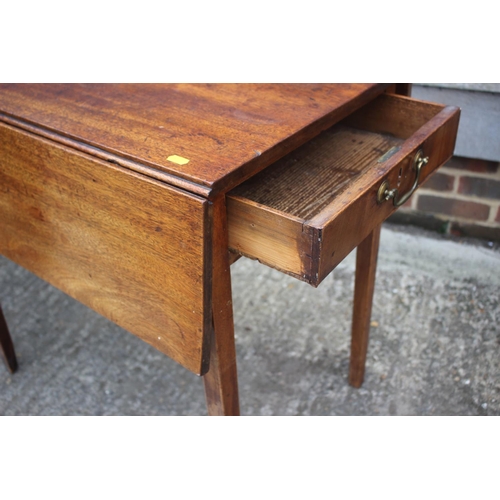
x: 203, y: 138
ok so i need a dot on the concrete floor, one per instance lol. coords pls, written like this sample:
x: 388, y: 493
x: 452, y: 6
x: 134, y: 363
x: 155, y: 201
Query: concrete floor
x: 434, y: 347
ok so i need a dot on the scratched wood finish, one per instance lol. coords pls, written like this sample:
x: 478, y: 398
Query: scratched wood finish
x: 312, y: 232
x: 272, y: 237
x: 228, y: 132
x: 131, y: 248
x: 305, y: 182
x: 6, y: 345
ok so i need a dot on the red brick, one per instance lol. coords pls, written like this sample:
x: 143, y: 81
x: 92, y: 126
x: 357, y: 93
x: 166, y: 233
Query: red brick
x: 481, y: 187
x: 450, y: 206
x: 497, y: 218
x: 475, y: 231
x: 440, y: 182
x: 473, y: 165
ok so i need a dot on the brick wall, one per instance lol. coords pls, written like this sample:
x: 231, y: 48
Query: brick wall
x: 462, y: 198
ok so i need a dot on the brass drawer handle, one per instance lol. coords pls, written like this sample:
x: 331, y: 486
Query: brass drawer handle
x: 385, y: 192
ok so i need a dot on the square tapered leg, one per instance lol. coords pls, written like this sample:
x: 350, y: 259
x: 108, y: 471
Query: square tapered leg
x: 366, y: 267
x: 6, y: 345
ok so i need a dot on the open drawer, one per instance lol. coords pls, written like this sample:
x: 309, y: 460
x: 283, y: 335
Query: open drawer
x: 306, y: 212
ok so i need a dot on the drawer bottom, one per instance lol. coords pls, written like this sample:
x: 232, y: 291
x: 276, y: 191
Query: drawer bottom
x: 304, y: 186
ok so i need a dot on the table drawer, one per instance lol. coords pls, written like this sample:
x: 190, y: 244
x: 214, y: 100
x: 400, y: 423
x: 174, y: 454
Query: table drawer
x: 306, y: 212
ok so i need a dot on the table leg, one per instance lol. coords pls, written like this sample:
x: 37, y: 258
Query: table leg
x: 221, y: 381
x: 366, y: 266
x: 6, y: 345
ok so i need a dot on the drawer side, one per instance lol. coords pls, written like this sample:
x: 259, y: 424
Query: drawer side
x: 274, y: 238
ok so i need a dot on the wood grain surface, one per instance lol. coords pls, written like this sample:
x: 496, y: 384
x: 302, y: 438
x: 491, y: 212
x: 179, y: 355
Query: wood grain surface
x: 364, y: 286
x: 129, y: 247
x: 274, y: 238
x: 306, y: 181
x: 221, y: 380
x: 228, y: 132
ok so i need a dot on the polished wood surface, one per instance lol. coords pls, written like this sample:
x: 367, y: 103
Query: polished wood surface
x: 364, y: 286
x: 228, y: 132
x: 116, y: 194
x: 221, y: 381
x: 305, y: 213
x: 133, y: 249
x: 6, y: 346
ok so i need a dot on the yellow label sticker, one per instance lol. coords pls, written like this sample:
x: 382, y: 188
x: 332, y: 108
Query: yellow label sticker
x: 178, y: 159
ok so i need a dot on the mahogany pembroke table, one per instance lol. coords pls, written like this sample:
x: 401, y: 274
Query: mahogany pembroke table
x: 135, y: 199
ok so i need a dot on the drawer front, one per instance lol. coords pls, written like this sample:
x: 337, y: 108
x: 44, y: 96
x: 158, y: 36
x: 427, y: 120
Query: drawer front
x: 129, y: 247
x: 304, y: 214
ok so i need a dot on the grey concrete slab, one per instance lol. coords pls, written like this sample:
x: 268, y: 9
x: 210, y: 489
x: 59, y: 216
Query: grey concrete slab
x: 473, y: 87
x: 479, y: 127
x: 434, y: 348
